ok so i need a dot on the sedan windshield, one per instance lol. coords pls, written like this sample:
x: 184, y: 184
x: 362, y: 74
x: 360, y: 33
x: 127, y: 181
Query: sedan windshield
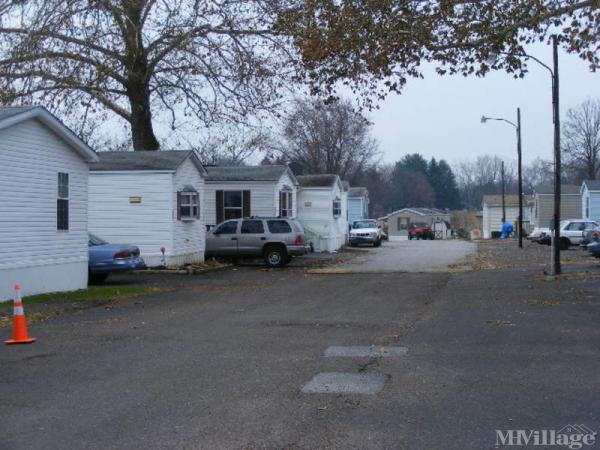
x: 95, y: 240
x: 364, y: 224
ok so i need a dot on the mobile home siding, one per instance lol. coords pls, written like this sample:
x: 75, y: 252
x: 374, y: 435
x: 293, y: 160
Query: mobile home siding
x: 32, y: 251
x: 570, y: 208
x: 284, y: 181
x: 356, y: 209
x: 189, y: 237
x: 148, y: 224
x: 593, y: 197
x: 262, y: 198
x: 315, y: 212
x: 492, y: 218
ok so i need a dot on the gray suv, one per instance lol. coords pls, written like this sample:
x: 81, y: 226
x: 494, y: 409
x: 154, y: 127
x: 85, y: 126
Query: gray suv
x: 275, y: 239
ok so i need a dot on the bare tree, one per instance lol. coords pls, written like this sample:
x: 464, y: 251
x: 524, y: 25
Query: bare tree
x: 581, y: 133
x: 483, y: 176
x: 537, y: 173
x: 233, y: 145
x: 328, y: 138
x: 203, y: 61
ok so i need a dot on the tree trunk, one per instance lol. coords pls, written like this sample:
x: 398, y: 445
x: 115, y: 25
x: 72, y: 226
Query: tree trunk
x: 142, y: 132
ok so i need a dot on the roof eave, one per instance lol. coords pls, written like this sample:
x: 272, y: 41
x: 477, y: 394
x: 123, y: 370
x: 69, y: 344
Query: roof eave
x: 55, y: 125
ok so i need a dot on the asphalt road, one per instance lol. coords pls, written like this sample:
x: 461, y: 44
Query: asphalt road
x: 410, y: 256
x: 220, y: 361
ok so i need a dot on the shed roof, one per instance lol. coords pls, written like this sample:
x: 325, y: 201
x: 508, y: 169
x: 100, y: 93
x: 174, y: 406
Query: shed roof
x: 145, y: 160
x: 592, y: 185
x: 355, y: 192
x: 12, y: 115
x: 247, y: 173
x: 320, y: 180
x: 564, y: 189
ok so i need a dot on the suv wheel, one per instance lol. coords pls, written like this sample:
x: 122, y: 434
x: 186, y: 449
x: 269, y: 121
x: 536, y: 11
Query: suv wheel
x: 275, y: 256
x: 377, y: 243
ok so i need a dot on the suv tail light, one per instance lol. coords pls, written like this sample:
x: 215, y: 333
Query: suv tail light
x: 298, y: 240
x: 122, y: 255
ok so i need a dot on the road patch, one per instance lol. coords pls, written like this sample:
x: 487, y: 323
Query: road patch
x: 345, y: 383
x: 363, y: 351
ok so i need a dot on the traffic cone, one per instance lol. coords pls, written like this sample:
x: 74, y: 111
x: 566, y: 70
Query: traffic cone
x: 19, y: 335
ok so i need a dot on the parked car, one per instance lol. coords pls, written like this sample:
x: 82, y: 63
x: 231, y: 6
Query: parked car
x: 275, y: 239
x: 105, y: 258
x: 572, y: 232
x: 365, y: 232
x: 589, y: 236
x: 420, y: 231
x: 594, y: 247
x: 538, y: 233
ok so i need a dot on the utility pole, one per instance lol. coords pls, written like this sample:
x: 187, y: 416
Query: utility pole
x: 520, y: 224
x: 503, y: 199
x: 556, y: 269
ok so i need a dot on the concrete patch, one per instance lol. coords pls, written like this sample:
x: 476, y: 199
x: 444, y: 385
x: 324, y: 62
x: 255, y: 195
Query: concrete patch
x: 358, y: 351
x: 345, y: 383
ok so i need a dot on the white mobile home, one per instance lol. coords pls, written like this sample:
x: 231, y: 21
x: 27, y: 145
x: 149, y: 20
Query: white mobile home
x: 43, y: 203
x: 492, y: 212
x: 151, y: 199
x: 232, y: 192
x: 590, y: 200
x: 320, y: 211
x: 358, y: 204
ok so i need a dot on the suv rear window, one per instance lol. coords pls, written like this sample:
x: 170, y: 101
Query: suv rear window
x: 279, y: 226
x: 252, y: 227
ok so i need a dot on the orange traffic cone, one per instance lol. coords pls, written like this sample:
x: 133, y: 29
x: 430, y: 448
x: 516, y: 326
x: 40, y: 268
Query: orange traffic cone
x: 19, y: 335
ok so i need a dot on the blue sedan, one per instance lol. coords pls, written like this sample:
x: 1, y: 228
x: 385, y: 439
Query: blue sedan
x: 105, y: 258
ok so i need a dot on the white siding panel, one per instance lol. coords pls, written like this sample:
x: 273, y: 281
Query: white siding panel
x: 148, y: 224
x: 285, y: 180
x: 595, y: 206
x: 31, y: 156
x: 189, y: 236
x: 262, y: 202
x: 315, y: 212
x: 492, y: 218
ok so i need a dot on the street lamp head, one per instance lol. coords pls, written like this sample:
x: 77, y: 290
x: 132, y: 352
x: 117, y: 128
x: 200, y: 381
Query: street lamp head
x: 484, y: 119
x: 492, y: 58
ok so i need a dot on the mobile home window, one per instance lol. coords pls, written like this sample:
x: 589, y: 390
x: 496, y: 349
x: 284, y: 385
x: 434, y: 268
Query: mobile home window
x: 337, y: 208
x: 286, y: 204
x: 233, y: 205
x: 189, y: 205
x: 62, y: 202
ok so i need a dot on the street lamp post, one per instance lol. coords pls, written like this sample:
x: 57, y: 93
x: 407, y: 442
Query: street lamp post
x: 517, y: 126
x: 555, y: 259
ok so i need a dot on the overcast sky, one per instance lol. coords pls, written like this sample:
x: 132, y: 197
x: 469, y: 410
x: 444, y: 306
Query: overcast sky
x: 440, y: 116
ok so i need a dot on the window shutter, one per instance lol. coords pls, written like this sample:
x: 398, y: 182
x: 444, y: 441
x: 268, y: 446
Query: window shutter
x: 198, y: 203
x: 219, y: 203
x: 246, y: 204
x: 290, y: 205
x: 178, y: 205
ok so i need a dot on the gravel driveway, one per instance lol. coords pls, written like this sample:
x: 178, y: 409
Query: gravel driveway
x: 410, y: 256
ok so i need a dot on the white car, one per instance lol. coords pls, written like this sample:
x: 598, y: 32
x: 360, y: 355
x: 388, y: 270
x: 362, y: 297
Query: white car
x: 572, y: 231
x: 365, y: 232
x: 538, y: 233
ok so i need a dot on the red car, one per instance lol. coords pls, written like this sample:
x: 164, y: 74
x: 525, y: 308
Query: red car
x: 420, y: 231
